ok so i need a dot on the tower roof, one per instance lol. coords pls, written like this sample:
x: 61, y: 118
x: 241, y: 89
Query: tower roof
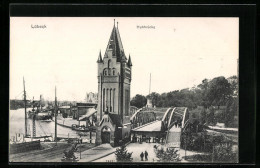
x: 129, y: 61
x: 99, y: 57
x: 116, y: 45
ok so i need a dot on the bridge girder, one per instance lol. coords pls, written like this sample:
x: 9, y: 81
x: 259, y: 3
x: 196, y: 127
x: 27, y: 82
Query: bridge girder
x: 169, y: 116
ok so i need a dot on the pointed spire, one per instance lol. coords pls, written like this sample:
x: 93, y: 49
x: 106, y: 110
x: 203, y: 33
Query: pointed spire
x: 129, y: 61
x: 115, y: 44
x: 99, y: 57
x: 123, y: 57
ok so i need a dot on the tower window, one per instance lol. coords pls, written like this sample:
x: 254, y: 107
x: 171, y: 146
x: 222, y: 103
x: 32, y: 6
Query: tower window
x: 114, y: 93
x: 104, y: 96
x: 127, y: 101
x: 113, y: 72
x: 109, y: 64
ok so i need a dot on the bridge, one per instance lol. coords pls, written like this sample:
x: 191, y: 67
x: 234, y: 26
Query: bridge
x: 168, y: 129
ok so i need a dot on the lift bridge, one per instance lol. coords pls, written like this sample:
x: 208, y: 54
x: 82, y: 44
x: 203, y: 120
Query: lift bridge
x: 170, y: 128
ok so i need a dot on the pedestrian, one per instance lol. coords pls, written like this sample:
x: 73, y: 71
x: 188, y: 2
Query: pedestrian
x: 146, y: 155
x: 175, y: 124
x: 179, y: 124
x: 142, y: 156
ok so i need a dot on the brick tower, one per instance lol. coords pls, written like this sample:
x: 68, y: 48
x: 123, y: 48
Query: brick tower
x: 114, y: 83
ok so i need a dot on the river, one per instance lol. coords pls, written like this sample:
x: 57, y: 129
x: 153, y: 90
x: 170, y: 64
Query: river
x: 43, y: 128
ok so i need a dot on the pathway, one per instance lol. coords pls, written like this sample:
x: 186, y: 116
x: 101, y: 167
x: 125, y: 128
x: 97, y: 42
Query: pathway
x: 95, y: 153
x: 137, y: 148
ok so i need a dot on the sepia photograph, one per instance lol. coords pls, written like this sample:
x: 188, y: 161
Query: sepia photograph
x: 124, y: 89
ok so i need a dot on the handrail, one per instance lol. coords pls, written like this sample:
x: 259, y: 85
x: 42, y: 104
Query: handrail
x: 184, y: 116
x: 185, y: 125
x: 137, y: 111
x: 164, y: 116
x: 168, y: 127
x: 170, y: 119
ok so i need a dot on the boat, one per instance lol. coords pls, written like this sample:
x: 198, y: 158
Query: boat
x: 79, y: 128
x: 40, y: 113
x: 17, y: 146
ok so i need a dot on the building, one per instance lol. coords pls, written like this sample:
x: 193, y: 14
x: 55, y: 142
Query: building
x: 82, y: 109
x: 149, y: 103
x: 91, y: 97
x: 65, y: 111
x: 114, y: 83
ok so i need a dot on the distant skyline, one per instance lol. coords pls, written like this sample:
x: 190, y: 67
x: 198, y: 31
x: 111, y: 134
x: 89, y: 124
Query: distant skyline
x: 178, y: 52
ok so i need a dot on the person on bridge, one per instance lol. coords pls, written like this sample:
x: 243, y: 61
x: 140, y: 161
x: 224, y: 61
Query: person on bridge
x: 175, y: 124
x: 142, y: 156
x: 146, y: 155
x: 179, y: 124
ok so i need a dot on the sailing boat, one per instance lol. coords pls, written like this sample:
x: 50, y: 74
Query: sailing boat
x: 17, y: 147
x: 40, y: 113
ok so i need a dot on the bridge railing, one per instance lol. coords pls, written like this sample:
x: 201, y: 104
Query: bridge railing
x: 141, y: 117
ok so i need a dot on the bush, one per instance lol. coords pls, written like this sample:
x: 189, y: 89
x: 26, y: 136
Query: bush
x: 168, y: 155
x: 223, y: 152
x: 199, y: 157
x: 122, y: 155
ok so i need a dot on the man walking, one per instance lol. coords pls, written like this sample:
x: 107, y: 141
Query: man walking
x: 142, y: 156
x: 146, y: 155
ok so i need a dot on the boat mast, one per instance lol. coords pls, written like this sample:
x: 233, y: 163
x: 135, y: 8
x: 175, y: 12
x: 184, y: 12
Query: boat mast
x: 150, y: 85
x: 33, y: 121
x: 25, y: 113
x: 55, y: 114
x: 40, y: 103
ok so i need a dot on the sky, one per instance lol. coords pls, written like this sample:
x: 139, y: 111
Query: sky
x: 178, y: 52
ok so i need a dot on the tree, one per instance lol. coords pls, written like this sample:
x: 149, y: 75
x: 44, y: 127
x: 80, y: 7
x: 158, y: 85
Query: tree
x: 211, y: 116
x: 138, y: 101
x: 231, y: 111
x: 203, y: 116
x: 223, y: 149
x: 168, y: 155
x: 219, y: 91
x: 233, y: 80
x: 204, y: 86
x: 123, y: 155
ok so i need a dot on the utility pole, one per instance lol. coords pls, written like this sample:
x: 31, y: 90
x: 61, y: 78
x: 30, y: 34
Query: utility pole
x: 55, y: 114
x: 25, y: 113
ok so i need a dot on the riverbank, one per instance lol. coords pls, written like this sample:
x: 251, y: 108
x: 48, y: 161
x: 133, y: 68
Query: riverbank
x: 49, y: 152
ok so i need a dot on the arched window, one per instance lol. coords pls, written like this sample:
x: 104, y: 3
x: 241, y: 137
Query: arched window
x: 104, y: 96
x: 114, y: 94
x: 105, y: 72
x: 109, y: 71
x: 114, y: 72
x: 107, y: 102
x: 110, y: 100
x: 109, y: 63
